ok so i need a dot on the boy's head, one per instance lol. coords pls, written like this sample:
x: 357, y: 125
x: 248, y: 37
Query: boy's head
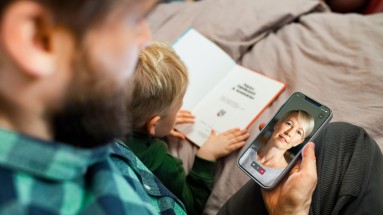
x: 161, y: 80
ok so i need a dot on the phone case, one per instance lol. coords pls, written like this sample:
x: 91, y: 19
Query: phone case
x: 279, y: 144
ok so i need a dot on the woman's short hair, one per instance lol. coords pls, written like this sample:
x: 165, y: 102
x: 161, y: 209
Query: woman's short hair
x: 160, y: 78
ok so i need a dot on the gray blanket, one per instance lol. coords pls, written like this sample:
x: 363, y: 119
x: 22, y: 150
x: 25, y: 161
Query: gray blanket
x: 335, y: 58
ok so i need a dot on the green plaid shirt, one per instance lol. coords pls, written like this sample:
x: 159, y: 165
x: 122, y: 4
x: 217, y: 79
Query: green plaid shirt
x: 164, y: 201
x: 39, y: 177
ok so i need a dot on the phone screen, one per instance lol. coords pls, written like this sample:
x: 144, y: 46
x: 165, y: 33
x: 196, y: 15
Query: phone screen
x: 277, y: 146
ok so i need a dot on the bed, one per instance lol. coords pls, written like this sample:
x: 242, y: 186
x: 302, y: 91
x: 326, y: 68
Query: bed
x: 335, y: 58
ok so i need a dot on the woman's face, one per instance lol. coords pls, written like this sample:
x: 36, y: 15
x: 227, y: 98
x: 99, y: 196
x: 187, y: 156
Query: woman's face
x: 287, y: 133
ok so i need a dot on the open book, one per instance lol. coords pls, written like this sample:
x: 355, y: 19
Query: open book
x: 221, y: 94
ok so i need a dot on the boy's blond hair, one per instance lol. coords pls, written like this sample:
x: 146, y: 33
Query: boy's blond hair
x: 160, y: 78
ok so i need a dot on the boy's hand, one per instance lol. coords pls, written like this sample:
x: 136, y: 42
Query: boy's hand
x: 183, y: 117
x: 218, y: 146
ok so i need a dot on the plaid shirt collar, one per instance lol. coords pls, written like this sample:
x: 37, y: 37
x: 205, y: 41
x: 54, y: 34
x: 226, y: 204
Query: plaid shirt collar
x: 30, y: 155
x: 166, y: 202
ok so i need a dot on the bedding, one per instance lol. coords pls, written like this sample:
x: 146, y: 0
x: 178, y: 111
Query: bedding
x: 334, y: 58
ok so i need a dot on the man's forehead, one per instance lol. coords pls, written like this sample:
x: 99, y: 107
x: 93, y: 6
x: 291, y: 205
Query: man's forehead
x: 131, y: 9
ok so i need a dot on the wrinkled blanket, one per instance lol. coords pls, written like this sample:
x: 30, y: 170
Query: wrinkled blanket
x: 335, y: 58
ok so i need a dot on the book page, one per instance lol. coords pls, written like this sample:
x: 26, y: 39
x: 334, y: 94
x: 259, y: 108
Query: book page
x: 206, y: 62
x: 235, y: 102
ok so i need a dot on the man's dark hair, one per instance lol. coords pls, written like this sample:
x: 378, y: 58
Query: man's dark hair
x: 76, y: 15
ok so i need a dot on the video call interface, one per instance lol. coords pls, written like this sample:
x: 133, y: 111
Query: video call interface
x: 284, y: 128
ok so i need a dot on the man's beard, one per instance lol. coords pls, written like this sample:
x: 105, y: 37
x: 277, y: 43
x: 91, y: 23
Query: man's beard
x: 95, y: 109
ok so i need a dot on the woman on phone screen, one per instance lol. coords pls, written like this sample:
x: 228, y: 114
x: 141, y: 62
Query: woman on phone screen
x: 268, y: 160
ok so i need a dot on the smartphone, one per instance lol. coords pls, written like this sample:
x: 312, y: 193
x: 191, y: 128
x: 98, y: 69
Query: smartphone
x: 277, y: 147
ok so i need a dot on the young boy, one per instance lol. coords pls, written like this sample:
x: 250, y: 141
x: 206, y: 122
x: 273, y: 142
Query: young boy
x: 161, y: 80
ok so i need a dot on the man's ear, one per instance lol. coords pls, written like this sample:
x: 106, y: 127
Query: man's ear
x: 151, y: 125
x: 26, y: 32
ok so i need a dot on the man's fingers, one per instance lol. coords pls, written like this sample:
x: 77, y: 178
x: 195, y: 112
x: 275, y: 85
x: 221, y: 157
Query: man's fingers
x: 296, y: 167
x: 308, y: 163
x: 262, y: 125
x: 308, y: 155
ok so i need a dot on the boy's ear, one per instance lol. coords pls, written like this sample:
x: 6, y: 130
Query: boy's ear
x: 26, y: 30
x: 151, y: 125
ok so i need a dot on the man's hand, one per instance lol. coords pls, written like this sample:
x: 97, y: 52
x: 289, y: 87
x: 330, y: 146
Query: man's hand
x: 183, y: 117
x: 293, y: 195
